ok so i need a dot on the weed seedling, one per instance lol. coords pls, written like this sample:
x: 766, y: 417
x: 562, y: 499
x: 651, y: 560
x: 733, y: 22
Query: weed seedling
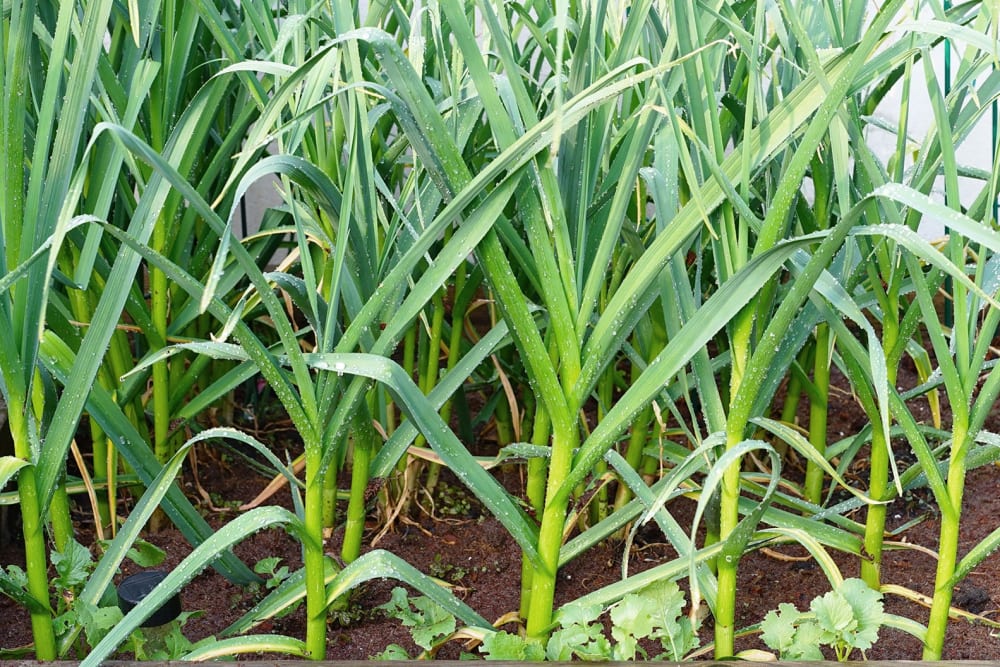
x: 429, y: 624
x: 166, y: 642
x: 844, y: 619
x: 446, y: 571
x: 273, y: 575
x: 654, y: 613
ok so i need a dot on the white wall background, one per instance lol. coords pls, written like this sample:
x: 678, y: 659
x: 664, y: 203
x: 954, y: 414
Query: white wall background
x: 977, y: 150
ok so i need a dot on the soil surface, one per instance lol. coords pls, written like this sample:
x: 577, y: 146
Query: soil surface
x: 449, y: 537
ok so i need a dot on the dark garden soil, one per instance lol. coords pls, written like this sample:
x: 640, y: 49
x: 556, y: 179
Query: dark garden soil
x: 456, y: 543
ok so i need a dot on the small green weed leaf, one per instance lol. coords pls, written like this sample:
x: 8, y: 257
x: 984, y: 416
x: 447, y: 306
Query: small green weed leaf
x: 679, y: 637
x: 867, y: 613
x: 778, y: 627
x: 863, y: 638
x: 429, y: 623
x: 279, y: 575
x: 175, y: 644
x: 65, y: 622
x: 398, y: 605
x: 14, y: 577
x: 866, y: 604
x: 437, y: 623
x: 73, y: 566
x: 579, y: 637
x: 96, y: 621
x: 667, y: 598
x: 834, y: 614
x: 392, y: 652
x: 136, y: 643
x: 806, y: 645
x: 515, y: 648
x: 580, y: 614
x: 145, y: 554
x: 580, y: 641
x: 269, y: 567
x: 169, y: 643
x: 634, y: 616
x: 654, y: 612
x: 625, y: 648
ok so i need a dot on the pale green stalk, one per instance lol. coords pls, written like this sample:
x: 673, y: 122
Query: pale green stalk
x: 638, y: 440
x: 818, y: 404
x: 459, y: 308
x: 951, y: 504
x: 34, y: 537
x: 743, y: 390
x: 821, y: 168
x: 430, y: 375
x: 158, y: 289
x: 763, y: 355
x: 365, y: 440
x: 537, y: 470
x: 313, y: 557
x: 17, y: 37
x: 28, y: 219
x: 957, y: 366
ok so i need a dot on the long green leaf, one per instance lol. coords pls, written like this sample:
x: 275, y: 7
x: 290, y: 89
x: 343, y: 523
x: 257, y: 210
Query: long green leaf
x: 381, y: 564
x: 131, y: 445
x: 191, y: 131
x: 441, y: 439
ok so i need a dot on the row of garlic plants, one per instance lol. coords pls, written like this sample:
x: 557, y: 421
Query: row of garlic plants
x: 670, y: 210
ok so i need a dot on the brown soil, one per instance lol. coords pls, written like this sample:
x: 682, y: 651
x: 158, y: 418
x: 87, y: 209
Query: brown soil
x: 483, y: 563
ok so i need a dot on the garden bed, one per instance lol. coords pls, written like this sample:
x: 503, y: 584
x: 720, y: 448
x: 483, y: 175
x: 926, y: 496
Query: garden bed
x: 451, y: 538
x: 565, y: 254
